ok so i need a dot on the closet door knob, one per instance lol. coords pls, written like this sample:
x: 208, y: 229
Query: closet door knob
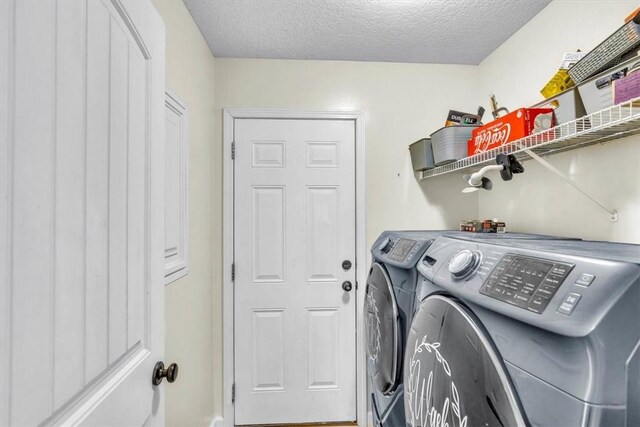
x: 160, y: 372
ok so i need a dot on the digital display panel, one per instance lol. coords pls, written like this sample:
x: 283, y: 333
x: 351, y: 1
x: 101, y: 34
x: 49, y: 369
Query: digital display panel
x: 401, y: 249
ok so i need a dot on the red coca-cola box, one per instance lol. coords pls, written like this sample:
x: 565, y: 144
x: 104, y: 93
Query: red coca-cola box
x: 515, y: 125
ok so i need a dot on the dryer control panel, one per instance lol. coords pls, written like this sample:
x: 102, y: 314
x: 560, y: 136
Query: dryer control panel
x: 556, y: 286
x: 525, y: 282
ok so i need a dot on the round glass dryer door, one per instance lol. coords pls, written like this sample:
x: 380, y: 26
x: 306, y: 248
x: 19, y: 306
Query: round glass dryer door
x: 382, y: 323
x: 452, y: 374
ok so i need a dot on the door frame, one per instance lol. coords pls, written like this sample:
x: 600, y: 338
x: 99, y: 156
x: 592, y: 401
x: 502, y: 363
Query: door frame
x: 229, y: 116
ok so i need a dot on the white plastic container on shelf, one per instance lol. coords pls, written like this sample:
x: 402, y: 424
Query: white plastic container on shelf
x: 422, y: 155
x: 450, y: 143
x: 567, y: 106
x: 597, y: 92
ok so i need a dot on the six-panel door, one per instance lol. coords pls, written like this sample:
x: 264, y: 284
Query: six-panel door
x: 295, y: 356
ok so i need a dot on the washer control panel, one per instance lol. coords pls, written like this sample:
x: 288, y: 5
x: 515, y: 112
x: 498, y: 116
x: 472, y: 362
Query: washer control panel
x: 526, y: 282
x: 401, y: 249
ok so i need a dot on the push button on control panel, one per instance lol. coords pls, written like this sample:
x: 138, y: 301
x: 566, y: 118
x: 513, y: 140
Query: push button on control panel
x: 585, y: 279
x: 569, y: 303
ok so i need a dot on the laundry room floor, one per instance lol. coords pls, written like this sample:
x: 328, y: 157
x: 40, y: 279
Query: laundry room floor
x: 309, y: 425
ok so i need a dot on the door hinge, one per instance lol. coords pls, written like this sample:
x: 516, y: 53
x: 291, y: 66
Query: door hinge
x: 233, y: 272
x: 233, y: 150
x: 233, y: 393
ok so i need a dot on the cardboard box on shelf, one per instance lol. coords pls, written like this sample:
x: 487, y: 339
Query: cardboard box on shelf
x: 626, y: 88
x: 515, y: 125
x: 486, y: 226
x: 489, y: 226
x: 473, y: 226
x: 569, y: 59
x: 455, y: 118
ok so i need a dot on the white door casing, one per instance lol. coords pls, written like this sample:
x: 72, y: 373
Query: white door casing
x: 176, y: 247
x: 295, y: 327
x: 81, y: 212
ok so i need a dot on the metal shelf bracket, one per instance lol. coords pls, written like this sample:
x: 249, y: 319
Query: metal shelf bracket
x: 613, y: 214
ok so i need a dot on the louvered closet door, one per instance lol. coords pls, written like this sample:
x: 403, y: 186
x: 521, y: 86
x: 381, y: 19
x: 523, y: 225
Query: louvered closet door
x: 81, y: 219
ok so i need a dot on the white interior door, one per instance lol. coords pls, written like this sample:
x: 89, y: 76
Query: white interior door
x: 295, y: 326
x: 81, y: 212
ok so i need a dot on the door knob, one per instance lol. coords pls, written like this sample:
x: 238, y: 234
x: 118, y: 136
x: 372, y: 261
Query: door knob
x: 346, y: 265
x: 159, y: 372
x: 347, y: 286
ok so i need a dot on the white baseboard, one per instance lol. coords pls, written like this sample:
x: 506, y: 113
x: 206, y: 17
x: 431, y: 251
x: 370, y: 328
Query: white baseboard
x: 216, y: 422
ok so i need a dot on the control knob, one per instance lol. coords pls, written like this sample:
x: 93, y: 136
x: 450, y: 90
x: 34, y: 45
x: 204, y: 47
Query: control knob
x: 463, y: 263
x: 385, y: 246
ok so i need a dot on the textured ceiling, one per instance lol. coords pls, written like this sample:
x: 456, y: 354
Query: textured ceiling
x: 429, y: 31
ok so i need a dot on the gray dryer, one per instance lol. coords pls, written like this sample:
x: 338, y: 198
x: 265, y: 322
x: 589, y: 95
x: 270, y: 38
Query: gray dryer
x: 516, y: 333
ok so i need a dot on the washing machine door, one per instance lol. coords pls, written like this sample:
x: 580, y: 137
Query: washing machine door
x: 452, y: 373
x: 382, y: 330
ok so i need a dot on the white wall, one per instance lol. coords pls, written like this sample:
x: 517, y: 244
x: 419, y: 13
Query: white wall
x: 402, y: 102
x: 538, y: 201
x: 189, y: 304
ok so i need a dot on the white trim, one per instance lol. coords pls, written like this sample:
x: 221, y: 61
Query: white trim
x: 361, y: 269
x: 227, y: 259
x: 217, y: 422
x: 90, y: 407
x: 178, y: 268
x: 7, y: 143
x: 229, y: 115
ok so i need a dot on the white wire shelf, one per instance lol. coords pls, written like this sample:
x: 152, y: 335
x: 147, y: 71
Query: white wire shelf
x: 611, y: 123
